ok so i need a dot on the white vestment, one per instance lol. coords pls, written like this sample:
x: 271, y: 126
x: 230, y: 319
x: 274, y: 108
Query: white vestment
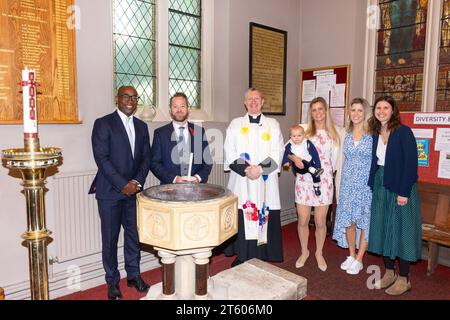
x: 258, y: 141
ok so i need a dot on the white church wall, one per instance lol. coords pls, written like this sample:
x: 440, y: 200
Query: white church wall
x: 333, y: 33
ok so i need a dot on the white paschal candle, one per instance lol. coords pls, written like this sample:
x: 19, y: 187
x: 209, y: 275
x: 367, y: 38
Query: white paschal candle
x: 29, y: 103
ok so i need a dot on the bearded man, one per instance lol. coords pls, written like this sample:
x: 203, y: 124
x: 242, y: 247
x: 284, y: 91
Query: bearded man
x: 180, y: 146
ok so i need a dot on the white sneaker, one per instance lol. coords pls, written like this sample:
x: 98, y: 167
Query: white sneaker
x: 347, y: 263
x: 355, y: 268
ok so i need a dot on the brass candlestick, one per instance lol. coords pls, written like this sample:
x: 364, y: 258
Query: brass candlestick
x: 32, y: 161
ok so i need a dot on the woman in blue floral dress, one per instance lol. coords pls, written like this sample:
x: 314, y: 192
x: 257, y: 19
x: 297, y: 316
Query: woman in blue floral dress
x: 354, y: 197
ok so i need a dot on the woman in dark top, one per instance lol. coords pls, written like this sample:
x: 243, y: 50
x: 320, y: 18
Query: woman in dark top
x: 395, y: 225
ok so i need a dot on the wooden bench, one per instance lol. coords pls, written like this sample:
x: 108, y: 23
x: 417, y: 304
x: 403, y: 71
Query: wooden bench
x: 2, y: 294
x: 435, y: 204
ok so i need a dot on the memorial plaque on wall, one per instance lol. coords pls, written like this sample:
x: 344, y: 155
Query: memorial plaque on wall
x: 40, y: 35
x: 268, y: 48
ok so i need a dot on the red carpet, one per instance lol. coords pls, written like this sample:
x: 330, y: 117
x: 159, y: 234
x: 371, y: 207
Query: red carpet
x: 334, y: 284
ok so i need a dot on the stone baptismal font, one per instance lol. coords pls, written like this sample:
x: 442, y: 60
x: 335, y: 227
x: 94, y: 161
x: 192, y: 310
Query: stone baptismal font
x: 184, y: 222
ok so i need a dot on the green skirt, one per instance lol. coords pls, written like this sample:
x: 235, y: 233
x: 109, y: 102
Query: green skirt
x: 395, y: 231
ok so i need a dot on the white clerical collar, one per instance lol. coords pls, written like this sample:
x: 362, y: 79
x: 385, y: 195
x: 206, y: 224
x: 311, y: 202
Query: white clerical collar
x: 254, y: 118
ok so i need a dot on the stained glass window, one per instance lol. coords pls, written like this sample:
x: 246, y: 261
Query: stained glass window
x: 134, y: 47
x: 400, y: 53
x: 443, y: 85
x: 185, y: 49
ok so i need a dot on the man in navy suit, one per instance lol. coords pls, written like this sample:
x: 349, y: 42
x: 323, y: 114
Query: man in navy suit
x: 179, y: 143
x: 121, y: 147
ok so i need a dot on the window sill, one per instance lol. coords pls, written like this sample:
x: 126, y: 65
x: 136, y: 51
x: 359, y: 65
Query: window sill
x: 194, y: 116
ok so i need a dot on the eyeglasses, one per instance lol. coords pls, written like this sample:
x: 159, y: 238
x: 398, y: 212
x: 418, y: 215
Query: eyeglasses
x: 127, y: 97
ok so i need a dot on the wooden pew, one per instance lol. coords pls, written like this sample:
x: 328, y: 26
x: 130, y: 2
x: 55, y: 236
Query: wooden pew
x: 2, y: 294
x: 435, y: 204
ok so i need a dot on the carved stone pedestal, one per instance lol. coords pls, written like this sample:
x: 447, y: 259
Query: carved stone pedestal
x: 184, y: 222
x: 185, y: 275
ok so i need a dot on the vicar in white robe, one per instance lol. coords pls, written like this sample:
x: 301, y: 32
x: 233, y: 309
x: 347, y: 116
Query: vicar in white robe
x: 253, y: 152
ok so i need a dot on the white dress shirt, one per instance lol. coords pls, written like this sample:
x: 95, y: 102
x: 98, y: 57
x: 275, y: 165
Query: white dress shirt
x: 381, y: 151
x: 128, y: 123
x: 176, y: 128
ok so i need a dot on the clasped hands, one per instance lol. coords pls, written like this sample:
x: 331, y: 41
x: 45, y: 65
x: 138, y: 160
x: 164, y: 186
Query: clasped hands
x: 131, y: 188
x: 402, y: 201
x: 253, y: 172
x: 179, y: 179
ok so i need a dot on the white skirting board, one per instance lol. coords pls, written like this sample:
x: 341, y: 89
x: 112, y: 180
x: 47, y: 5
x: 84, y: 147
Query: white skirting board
x: 66, y: 282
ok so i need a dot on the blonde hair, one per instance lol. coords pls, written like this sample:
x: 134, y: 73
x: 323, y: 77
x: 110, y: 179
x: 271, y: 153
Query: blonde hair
x: 367, y: 114
x: 296, y: 127
x: 329, y: 124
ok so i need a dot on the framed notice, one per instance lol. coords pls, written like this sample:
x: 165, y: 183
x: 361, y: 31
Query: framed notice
x: 331, y: 83
x: 38, y: 35
x: 268, y: 54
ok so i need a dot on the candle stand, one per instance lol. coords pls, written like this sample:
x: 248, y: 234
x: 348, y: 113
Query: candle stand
x: 32, y: 161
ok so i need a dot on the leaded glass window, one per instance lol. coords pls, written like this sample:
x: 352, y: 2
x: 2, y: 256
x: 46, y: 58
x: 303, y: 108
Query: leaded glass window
x: 185, y: 49
x: 443, y: 86
x: 134, y: 47
x: 400, y: 53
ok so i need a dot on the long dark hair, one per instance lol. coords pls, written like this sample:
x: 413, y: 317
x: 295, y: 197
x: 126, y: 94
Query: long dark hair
x: 394, y: 122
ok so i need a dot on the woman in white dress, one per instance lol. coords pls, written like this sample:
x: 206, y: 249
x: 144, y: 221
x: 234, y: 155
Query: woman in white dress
x: 325, y: 137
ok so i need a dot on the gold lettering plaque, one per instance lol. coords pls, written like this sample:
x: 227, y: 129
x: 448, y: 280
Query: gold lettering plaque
x: 40, y: 35
x: 268, y: 66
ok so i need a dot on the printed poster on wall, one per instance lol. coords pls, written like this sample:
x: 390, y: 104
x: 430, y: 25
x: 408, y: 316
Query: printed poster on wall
x: 444, y: 165
x: 423, y: 152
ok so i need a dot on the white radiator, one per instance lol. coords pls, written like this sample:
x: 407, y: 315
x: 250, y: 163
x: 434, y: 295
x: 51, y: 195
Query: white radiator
x: 77, y: 223
x: 76, y: 229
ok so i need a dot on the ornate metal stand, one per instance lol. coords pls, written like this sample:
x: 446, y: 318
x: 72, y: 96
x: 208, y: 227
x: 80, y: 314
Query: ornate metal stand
x: 33, y: 161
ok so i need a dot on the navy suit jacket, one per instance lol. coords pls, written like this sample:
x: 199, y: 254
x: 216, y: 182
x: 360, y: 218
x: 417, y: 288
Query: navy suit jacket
x: 163, y: 145
x: 112, y: 153
x: 400, y: 167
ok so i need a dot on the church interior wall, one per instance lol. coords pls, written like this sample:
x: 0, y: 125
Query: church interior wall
x: 320, y: 32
